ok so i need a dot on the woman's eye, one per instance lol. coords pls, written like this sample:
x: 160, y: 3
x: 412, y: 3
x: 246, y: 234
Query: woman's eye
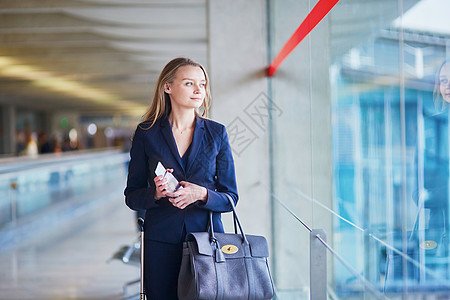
x: 188, y: 83
x: 202, y: 84
x: 444, y: 80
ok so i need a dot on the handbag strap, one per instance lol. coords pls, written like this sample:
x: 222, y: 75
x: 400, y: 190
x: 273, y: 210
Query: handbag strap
x: 221, y: 268
x: 249, y: 266
x: 236, y: 220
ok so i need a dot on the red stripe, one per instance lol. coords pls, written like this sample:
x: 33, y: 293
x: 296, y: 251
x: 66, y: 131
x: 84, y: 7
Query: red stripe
x: 316, y: 15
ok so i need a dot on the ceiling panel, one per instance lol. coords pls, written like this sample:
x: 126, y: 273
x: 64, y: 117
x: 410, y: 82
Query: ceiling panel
x: 95, y: 56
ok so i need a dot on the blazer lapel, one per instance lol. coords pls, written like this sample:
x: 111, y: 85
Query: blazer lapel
x: 168, y: 136
x: 197, y: 140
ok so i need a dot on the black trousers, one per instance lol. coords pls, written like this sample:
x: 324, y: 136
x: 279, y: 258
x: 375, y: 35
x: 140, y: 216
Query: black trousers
x: 162, y: 263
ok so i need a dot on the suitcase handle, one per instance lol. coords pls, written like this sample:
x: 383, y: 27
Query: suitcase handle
x: 141, y: 227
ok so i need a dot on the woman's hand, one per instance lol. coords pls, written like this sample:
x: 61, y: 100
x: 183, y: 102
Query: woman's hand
x: 161, y: 185
x: 189, y: 194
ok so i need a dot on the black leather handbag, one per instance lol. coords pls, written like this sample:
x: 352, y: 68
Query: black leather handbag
x: 224, y: 265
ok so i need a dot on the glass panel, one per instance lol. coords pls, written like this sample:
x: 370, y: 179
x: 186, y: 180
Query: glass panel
x: 385, y: 202
x: 55, y: 181
x: 391, y: 154
x: 5, y: 203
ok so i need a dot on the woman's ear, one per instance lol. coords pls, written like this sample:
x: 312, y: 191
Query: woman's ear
x: 167, y: 88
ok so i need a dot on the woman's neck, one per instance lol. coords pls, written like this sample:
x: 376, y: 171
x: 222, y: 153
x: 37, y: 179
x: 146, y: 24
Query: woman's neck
x: 182, y: 120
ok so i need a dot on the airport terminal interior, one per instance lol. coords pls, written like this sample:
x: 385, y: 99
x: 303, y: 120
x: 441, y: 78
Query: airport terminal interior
x: 348, y: 136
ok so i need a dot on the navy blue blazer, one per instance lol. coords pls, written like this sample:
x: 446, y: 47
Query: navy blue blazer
x: 210, y: 164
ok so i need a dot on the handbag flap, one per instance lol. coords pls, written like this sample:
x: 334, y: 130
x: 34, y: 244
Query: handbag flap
x: 201, y: 239
x: 258, y: 245
x: 231, y: 244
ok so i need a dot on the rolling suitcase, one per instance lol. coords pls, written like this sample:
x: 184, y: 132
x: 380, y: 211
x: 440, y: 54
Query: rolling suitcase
x: 141, y: 228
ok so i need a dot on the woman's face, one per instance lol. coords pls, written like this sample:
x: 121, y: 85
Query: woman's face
x: 444, y: 82
x: 187, y: 91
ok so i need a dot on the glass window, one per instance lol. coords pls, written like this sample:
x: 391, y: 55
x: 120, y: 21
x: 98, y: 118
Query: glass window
x: 372, y: 80
x: 391, y: 155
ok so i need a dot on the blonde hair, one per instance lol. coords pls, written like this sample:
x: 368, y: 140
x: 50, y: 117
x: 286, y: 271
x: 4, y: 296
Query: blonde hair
x: 161, y: 107
x: 439, y: 103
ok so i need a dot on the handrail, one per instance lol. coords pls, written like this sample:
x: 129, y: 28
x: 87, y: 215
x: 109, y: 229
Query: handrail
x: 414, y: 262
x: 328, y: 209
x: 375, y: 292
x: 292, y: 213
x: 20, y: 164
x: 366, y: 283
x: 390, y: 247
x: 57, y: 188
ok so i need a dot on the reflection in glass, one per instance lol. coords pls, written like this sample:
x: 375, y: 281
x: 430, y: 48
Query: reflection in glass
x: 395, y: 188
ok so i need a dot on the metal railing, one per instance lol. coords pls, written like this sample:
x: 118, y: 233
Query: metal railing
x: 36, y: 193
x: 319, y: 246
x: 318, y: 261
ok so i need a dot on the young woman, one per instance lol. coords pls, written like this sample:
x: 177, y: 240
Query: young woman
x: 196, y: 151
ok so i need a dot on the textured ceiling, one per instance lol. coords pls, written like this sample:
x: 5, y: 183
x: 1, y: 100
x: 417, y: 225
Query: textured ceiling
x: 104, y: 56
x: 96, y: 56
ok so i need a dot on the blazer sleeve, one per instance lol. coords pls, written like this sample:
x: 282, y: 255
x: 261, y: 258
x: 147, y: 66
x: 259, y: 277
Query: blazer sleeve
x: 225, y: 179
x: 139, y: 194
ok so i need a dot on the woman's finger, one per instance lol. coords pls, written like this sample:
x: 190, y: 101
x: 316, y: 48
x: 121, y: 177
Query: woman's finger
x: 174, y: 201
x: 181, y: 204
x: 158, y: 179
x: 161, y: 182
x: 177, y: 194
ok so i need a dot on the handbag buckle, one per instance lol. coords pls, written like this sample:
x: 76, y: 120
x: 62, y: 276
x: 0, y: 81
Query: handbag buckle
x: 229, y: 249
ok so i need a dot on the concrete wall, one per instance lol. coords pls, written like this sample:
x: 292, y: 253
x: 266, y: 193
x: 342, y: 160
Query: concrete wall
x: 237, y: 57
x: 301, y: 125
x: 300, y: 152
